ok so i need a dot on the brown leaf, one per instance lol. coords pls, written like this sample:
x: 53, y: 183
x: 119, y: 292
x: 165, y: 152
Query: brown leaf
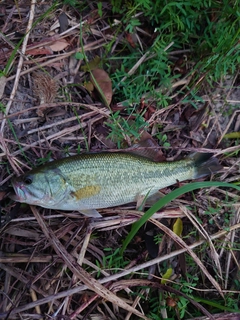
x: 131, y: 39
x: 92, y: 65
x: 42, y: 51
x: 103, y: 84
x: 89, y: 86
x: 171, y: 302
x: 59, y: 45
x: 63, y: 21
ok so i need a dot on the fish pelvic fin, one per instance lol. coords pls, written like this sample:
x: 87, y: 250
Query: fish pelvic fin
x: 205, y: 164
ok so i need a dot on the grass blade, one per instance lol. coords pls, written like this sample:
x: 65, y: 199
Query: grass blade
x: 169, y: 197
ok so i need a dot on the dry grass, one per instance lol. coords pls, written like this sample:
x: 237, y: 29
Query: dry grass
x: 55, y: 265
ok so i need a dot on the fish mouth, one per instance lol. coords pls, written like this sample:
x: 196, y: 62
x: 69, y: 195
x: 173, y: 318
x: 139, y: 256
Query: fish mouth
x: 23, y: 194
x: 20, y: 192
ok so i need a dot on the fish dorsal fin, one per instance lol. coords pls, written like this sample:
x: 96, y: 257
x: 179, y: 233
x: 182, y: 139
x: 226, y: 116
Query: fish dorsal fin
x: 147, y: 147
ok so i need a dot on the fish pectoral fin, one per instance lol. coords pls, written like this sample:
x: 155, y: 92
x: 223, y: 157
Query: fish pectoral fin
x: 91, y: 213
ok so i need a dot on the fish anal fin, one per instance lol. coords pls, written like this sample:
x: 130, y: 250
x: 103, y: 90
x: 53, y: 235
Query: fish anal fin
x: 93, y: 213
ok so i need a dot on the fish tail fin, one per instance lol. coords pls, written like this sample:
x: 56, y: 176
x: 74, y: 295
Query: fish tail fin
x: 205, y: 164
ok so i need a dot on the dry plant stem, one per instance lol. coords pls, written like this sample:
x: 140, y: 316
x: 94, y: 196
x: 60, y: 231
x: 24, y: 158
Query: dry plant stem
x: 48, y: 126
x: 34, y: 298
x: 53, y: 137
x: 231, y: 170
x: 181, y: 243
x: 108, y: 223
x: 92, y: 46
x: 148, y: 283
x: 7, y: 282
x: 20, y: 63
x: 98, y: 112
x: 220, y: 316
x: 23, y: 258
x: 78, y: 271
x: 230, y: 254
x: 103, y: 111
x: 119, y: 275
x: 216, y: 121
x: 135, y: 303
x: 230, y: 149
x: 17, y: 273
x: 8, y: 19
x: 228, y: 126
x: 233, y: 81
x: 5, y: 150
x: 84, y: 246
x: 202, y: 231
x: 83, y: 307
x: 110, y: 312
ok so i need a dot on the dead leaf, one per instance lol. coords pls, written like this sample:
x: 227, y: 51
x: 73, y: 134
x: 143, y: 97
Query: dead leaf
x: 178, y: 227
x: 131, y: 39
x: 103, y: 84
x: 166, y: 276
x: 59, y: 45
x: 171, y: 302
x: 232, y: 135
x: 42, y: 51
x: 198, y: 117
x: 89, y: 86
x: 63, y: 21
x: 91, y: 65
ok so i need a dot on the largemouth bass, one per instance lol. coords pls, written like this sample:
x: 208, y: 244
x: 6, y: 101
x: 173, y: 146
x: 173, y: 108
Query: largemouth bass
x: 92, y: 181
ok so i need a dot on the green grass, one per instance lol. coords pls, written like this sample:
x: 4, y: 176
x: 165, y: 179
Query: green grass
x: 209, y: 29
x: 167, y: 199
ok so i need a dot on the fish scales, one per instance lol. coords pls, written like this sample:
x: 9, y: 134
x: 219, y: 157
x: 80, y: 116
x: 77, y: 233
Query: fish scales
x: 101, y: 180
x: 121, y: 178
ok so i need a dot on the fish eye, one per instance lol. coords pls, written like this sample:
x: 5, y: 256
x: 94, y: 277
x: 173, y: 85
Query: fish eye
x: 28, y: 180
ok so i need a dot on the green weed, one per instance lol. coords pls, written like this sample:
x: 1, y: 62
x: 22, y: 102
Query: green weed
x: 121, y: 127
x: 209, y: 29
x: 113, y: 260
x: 46, y: 159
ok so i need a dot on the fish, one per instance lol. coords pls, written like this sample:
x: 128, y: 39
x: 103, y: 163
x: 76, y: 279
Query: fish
x: 92, y: 181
